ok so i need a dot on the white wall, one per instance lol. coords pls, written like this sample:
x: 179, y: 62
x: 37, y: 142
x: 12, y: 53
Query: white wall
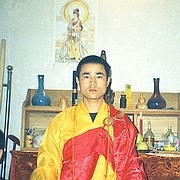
x: 141, y: 38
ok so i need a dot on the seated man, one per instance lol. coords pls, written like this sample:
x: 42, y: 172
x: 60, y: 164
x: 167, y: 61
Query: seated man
x: 1, y: 143
x: 91, y: 140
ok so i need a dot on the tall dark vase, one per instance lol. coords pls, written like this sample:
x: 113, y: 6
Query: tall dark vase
x: 156, y: 101
x: 41, y: 98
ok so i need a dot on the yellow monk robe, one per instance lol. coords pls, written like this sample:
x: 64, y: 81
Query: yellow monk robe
x: 74, y: 147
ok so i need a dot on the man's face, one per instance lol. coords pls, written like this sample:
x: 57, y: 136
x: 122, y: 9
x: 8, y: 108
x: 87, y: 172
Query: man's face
x: 92, y: 81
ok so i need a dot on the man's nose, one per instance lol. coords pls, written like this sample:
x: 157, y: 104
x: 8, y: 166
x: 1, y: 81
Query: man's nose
x: 92, y: 81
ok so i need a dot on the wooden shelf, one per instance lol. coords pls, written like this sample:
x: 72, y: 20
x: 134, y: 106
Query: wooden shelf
x: 152, y: 112
x: 24, y: 149
x: 127, y: 111
x: 55, y: 109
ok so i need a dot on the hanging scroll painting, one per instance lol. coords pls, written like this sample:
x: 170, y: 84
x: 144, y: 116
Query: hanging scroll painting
x: 75, y: 30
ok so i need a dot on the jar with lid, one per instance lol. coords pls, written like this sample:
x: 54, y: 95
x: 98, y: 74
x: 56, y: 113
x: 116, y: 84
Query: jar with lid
x: 149, y: 137
x: 123, y: 101
x: 177, y: 142
x: 169, y: 140
x: 29, y: 133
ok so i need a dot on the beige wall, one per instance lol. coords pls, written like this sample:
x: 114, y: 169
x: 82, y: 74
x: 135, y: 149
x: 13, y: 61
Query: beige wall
x: 141, y: 38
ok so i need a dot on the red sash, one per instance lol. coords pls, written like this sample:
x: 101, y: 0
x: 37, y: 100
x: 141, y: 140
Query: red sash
x: 88, y: 147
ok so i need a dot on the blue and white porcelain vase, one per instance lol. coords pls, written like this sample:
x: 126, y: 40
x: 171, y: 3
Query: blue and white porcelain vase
x: 41, y: 98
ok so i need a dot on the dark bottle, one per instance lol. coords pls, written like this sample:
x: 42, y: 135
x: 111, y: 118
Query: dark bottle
x: 156, y: 101
x: 74, y: 89
x: 123, y: 101
x: 149, y: 137
x: 41, y: 98
x: 103, y: 55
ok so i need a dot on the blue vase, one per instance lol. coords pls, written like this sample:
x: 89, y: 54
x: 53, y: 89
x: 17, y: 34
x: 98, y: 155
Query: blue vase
x: 156, y: 101
x: 41, y: 98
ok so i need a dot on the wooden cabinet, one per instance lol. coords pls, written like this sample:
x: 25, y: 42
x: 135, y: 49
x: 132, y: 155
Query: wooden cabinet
x: 22, y: 165
x: 38, y: 117
x: 157, y: 166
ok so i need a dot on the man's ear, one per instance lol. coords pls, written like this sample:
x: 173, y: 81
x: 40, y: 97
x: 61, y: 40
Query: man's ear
x: 77, y: 80
x: 1, y: 152
x: 108, y: 81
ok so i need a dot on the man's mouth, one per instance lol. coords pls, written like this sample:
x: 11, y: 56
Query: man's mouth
x: 92, y: 90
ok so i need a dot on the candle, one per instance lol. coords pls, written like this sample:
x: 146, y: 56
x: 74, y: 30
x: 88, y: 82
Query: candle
x: 140, y: 124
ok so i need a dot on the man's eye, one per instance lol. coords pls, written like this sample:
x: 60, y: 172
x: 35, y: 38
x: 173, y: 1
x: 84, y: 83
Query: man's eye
x: 86, y: 76
x: 99, y: 76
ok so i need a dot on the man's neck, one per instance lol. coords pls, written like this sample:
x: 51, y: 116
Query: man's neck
x: 93, y: 106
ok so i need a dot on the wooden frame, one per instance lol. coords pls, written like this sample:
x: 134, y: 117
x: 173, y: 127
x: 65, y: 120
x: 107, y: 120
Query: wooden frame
x: 2, y: 64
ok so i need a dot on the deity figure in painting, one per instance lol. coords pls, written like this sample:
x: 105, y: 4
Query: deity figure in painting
x: 74, y: 36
